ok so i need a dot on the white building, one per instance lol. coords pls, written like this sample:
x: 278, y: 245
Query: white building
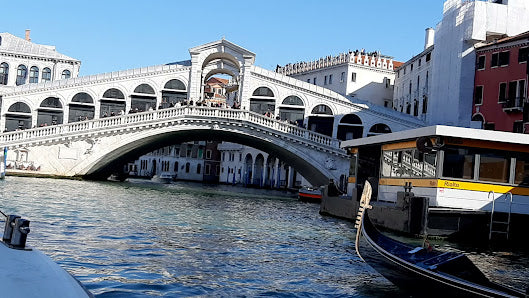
x: 360, y: 75
x: 466, y: 24
x: 412, y: 83
x: 249, y: 166
x: 23, y: 62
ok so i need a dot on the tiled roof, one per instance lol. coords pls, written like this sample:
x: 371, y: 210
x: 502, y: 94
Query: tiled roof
x: 17, y: 45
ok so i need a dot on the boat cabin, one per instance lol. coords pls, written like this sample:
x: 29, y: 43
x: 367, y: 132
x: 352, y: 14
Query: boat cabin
x: 455, y: 168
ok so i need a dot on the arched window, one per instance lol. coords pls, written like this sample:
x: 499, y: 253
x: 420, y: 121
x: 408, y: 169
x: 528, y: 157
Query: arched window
x: 66, y: 74
x: 19, y: 107
x: 4, y: 72
x: 113, y: 93
x: 50, y: 112
x: 377, y: 129
x: 293, y: 100
x: 424, y: 104
x: 415, y: 107
x: 187, y: 167
x: 175, y: 169
x: 174, y: 91
x: 199, y: 168
x: 34, y: 74
x: 144, y: 88
x: 478, y: 118
x: 18, y: 116
x: 175, y: 85
x: 82, y: 97
x: 22, y: 73
x: 263, y: 91
x: 46, y: 74
x: 322, y: 110
x: 263, y: 101
x: 350, y: 127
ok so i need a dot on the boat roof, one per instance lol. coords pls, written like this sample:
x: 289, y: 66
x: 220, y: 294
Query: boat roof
x: 443, y: 131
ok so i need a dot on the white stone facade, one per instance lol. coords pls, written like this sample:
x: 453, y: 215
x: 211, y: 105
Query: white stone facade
x: 359, y: 75
x: 466, y: 24
x: 16, y: 52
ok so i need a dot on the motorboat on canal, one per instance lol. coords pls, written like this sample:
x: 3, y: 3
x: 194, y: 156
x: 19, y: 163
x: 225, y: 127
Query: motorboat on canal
x: 27, y: 272
x: 310, y: 194
x: 422, y: 271
x: 164, y: 178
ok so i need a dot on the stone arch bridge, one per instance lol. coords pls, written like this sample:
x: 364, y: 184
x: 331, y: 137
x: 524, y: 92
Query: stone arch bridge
x: 95, y: 148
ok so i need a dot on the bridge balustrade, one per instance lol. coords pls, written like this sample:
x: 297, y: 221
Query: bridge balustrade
x: 177, y: 112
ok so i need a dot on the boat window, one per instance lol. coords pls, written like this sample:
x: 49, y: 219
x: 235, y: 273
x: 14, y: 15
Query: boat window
x: 494, y: 167
x: 408, y: 163
x: 521, y: 176
x: 458, y: 163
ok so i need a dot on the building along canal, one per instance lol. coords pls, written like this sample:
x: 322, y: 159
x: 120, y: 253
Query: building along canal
x: 137, y: 239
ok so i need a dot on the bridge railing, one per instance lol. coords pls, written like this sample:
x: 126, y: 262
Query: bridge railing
x: 165, y: 114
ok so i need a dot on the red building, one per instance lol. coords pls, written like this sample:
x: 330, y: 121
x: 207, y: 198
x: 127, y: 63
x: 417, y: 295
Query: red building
x: 500, y: 86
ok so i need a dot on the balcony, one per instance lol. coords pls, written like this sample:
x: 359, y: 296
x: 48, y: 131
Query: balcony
x: 513, y: 105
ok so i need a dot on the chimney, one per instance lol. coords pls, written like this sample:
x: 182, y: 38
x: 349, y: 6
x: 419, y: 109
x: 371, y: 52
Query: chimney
x: 27, y: 35
x: 429, y: 38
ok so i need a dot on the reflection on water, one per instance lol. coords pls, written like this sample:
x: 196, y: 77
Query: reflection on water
x: 137, y: 239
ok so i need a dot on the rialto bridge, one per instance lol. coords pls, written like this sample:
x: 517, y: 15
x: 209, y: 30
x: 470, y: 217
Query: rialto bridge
x: 61, y: 127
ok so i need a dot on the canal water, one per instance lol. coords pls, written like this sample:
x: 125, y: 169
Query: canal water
x: 138, y: 239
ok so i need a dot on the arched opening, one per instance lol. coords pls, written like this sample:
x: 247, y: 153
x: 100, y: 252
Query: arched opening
x: 143, y: 99
x: 258, y: 172
x: 66, y: 74
x: 173, y: 92
x: 50, y: 112
x: 263, y: 101
x: 4, y: 73
x: 350, y: 127
x: 378, y: 129
x: 46, y: 74
x: 269, y: 179
x: 248, y: 169
x: 321, y: 120
x: 292, y: 110
x: 18, y: 117
x: 112, y: 103
x: 81, y: 108
x: 22, y: 74
x: 479, y: 118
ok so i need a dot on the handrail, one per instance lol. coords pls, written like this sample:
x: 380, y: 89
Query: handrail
x: 165, y: 114
x: 491, y: 213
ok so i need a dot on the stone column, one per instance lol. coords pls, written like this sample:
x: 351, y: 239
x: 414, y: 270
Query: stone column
x: 195, y: 77
x: 244, y: 87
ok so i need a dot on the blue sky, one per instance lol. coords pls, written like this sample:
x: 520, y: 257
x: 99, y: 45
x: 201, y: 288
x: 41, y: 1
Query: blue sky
x: 118, y: 34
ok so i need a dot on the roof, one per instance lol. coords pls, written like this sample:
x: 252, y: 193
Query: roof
x: 220, y: 81
x: 444, y: 131
x: 17, y: 45
x: 521, y: 36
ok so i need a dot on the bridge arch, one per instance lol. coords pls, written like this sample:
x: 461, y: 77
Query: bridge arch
x: 221, y: 56
x: 138, y: 144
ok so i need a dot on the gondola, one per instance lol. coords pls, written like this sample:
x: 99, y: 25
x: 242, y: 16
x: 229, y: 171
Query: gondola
x: 422, y: 271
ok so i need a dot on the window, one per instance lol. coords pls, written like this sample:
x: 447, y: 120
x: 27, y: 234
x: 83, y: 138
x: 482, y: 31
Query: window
x: 0, y: 40
x: 308, y: 80
x: 46, y: 74
x: 415, y: 108
x: 34, y: 74
x: 66, y: 74
x: 408, y: 163
x: 208, y: 154
x: 353, y: 77
x: 504, y: 58
x: 517, y: 127
x: 187, y: 167
x: 314, y: 81
x: 330, y: 79
x: 424, y: 104
x: 494, y: 60
x: 342, y: 77
x: 408, y: 108
x: 325, y: 80
x: 199, y: 168
x: 481, y: 63
x: 387, y: 81
x: 458, y: 163
x: 503, y: 92
x: 521, y: 175
x: 478, y: 95
x: 494, y: 167
x: 428, y: 57
x: 175, y: 169
x: 4, y: 72
x: 207, y: 169
x: 489, y: 126
x: 217, y: 170
x: 512, y: 90
x: 22, y: 73
x: 522, y: 55
x: 420, y: 61
x: 411, y: 67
